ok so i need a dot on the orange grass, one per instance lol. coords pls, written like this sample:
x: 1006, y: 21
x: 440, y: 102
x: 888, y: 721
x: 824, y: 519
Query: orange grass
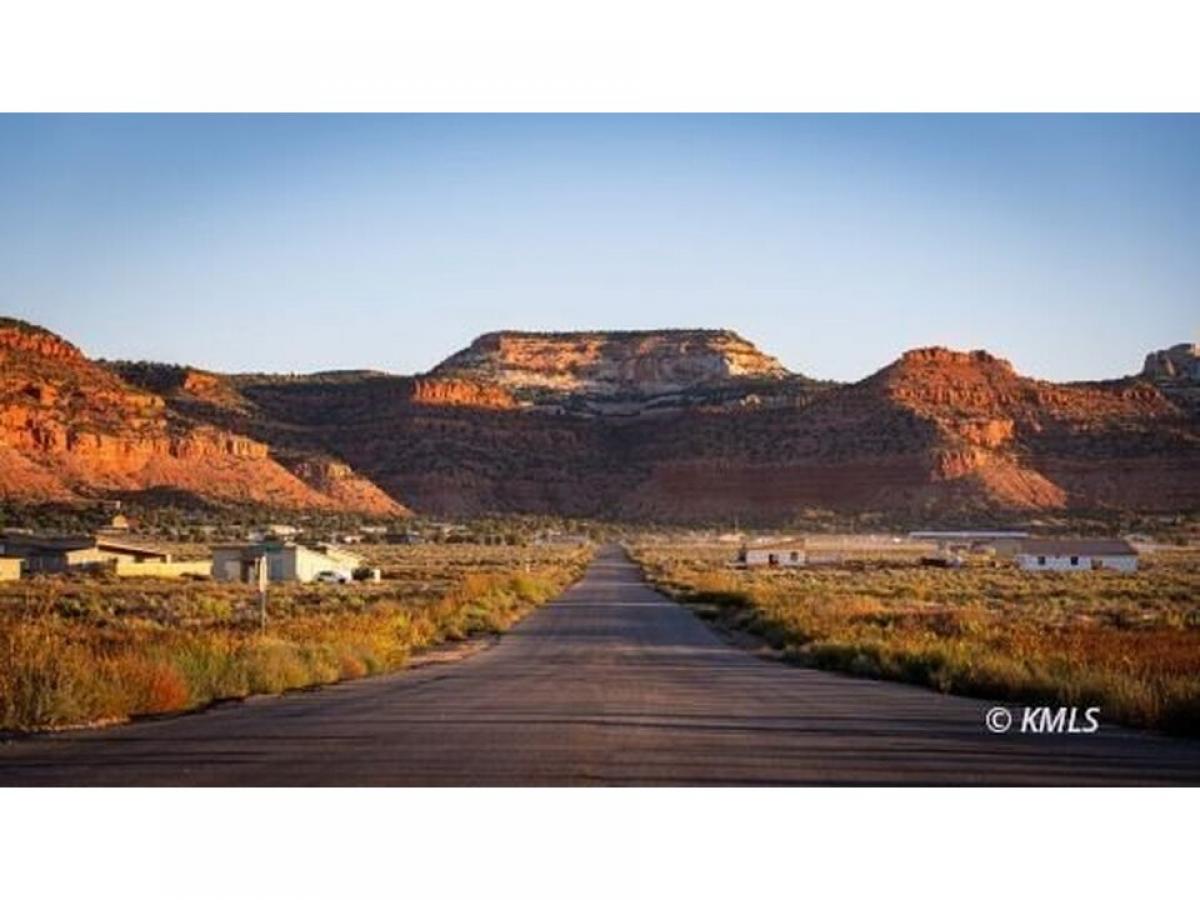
x: 86, y: 650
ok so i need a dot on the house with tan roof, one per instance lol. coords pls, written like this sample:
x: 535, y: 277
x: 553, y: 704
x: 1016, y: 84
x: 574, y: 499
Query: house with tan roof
x: 57, y: 554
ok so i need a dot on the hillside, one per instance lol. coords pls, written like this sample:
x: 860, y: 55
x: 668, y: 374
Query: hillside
x: 71, y: 428
x: 674, y: 426
x: 940, y: 433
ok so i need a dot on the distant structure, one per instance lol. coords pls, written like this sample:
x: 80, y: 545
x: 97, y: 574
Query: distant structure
x: 404, y: 537
x: 1076, y: 555
x: 46, y: 555
x: 277, y: 531
x: 119, y: 524
x: 284, y: 561
x: 10, y: 568
x: 1003, y: 543
x: 778, y: 553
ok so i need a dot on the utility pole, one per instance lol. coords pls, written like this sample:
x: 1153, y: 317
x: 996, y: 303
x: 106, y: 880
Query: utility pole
x: 260, y: 570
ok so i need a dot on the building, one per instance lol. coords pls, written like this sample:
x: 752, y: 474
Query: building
x: 778, y: 553
x: 1076, y: 555
x: 284, y: 561
x: 1002, y: 543
x: 404, y: 537
x: 278, y: 531
x: 43, y: 554
x: 10, y: 568
x: 118, y: 524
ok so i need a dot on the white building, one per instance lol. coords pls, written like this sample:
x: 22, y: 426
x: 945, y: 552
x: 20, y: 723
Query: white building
x: 285, y: 562
x: 1076, y: 555
x: 779, y: 553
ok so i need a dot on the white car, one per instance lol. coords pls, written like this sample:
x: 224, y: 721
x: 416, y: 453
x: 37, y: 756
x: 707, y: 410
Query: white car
x: 331, y: 577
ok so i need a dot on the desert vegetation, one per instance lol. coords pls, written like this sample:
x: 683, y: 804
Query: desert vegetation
x: 87, y: 650
x: 1127, y: 643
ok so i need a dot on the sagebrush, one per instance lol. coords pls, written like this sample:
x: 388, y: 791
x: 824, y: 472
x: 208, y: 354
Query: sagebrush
x: 76, y: 651
x: 1129, y: 644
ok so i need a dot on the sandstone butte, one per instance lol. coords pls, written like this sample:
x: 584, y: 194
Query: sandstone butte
x: 671, y: 425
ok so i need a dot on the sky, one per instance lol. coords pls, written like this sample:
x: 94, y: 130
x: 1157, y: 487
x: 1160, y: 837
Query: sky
x: 1067, y: 244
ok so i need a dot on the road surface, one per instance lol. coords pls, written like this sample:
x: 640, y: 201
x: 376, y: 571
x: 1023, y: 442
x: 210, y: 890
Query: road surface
x: 611, y: 684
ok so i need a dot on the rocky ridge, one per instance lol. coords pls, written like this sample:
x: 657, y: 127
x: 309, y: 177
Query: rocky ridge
x: 1175, y: 365
x: 619, y: 372
x: 679, y: 426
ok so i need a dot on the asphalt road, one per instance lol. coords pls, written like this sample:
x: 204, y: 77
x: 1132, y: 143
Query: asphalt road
x: 610, y: 685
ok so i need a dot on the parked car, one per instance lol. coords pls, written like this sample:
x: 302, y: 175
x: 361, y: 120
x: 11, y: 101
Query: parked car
x: 331, y: 577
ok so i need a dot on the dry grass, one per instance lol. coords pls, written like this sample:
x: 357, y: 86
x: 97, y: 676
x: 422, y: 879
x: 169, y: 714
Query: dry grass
x: 85, y: 650
x: 1127, y: 643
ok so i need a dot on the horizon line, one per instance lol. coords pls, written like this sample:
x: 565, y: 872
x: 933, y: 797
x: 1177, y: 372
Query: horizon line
x: 590, y: 332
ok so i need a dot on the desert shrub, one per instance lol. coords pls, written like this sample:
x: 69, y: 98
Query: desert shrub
x: 1127, y: 643
x: 76, y: 652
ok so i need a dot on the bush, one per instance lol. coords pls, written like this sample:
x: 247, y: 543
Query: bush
x: 1130, y: 645
x: 82, y: 652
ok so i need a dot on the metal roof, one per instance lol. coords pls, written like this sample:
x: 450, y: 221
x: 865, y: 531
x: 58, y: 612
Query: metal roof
x: 1077, y: 547
x: 66, y: 543
x: 968, y: 535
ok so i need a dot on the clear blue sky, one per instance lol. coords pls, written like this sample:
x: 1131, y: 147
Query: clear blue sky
x: 1070, y: 245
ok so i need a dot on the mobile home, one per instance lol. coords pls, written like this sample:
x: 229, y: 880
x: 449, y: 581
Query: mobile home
x: 1076, y: 555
